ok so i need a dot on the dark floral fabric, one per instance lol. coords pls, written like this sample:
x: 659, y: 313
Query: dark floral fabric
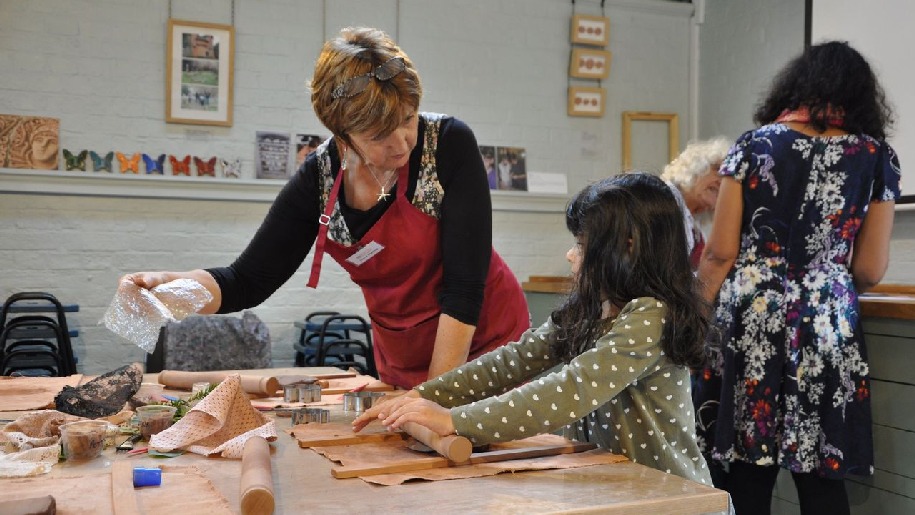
x: 791, y: 360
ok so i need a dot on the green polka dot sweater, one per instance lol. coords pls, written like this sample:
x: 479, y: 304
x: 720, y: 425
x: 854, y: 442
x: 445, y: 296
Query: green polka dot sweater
x: 624, y: 394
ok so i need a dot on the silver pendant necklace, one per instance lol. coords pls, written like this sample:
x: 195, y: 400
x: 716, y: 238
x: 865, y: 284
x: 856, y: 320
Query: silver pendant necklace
x: 383, y: 195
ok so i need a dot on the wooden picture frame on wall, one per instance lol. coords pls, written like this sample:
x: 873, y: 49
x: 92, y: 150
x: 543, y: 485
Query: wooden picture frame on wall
x: 673, y: 133
x: 590, y: 30
x: 199, y: 73
x: 584, y: 101
x: 589, y: 63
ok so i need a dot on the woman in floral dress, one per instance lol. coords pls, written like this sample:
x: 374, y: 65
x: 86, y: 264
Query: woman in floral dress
x: 815, y: 187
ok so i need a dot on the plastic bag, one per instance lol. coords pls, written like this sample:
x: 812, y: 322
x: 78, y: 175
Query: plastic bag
x: 137, y: 314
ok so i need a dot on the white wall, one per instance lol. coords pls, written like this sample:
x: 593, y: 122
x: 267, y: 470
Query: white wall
x: 98, y: 65
x: 743, y: 45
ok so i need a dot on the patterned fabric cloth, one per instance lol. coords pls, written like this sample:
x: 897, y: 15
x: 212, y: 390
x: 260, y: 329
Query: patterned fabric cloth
x: 792, y: 363
x: 624, y: 394
x: 220, y: 423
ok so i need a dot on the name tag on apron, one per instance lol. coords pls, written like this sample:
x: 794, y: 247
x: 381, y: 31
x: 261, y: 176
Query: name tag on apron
x: 365, y: 253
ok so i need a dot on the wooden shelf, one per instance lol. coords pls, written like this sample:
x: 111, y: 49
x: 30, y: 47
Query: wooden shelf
x: 102, y: 184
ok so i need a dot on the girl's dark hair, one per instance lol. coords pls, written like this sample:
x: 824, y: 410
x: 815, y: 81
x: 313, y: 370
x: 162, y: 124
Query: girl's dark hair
x: 633, y: 245
x: 831, y: 74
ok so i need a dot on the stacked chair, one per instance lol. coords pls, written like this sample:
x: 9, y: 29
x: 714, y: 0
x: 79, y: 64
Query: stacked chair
x: 329, y: 338
x: 34, y: 336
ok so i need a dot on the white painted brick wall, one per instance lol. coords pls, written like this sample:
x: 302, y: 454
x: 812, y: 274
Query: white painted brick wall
x: 501, y: 65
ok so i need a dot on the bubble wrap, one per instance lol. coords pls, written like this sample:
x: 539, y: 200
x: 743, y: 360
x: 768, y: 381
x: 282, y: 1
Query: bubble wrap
x: 137, y: 314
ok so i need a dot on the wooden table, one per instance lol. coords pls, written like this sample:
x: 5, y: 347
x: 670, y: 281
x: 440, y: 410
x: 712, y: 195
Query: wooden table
x: 303, y: 484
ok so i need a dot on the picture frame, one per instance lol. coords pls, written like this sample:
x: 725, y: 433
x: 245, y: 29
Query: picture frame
x: 590, y: 30
x: 586, y: 101
x: 199, y: 73
x: 673, y: 133
x: 589, y: 63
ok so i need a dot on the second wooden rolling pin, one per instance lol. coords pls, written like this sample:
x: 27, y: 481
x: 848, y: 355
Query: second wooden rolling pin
x: 256, y: 486
x: 250, y: 384
x: 455, y: 448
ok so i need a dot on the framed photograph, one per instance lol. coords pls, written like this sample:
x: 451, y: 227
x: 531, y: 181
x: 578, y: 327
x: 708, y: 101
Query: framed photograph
x: 590, y: 30
x: 488, y: 153
x: 588, y: 63
x: 586, y: 101
x: 272, y: 159
x: 305, y: 144
x: 673, y: 133
x: 199, y: 67
x: 511, y: 168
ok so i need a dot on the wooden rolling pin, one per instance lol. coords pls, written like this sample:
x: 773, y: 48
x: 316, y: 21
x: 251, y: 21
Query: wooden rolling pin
x: 256, y: 488
x: 250, y: 384
x: 455, y: 448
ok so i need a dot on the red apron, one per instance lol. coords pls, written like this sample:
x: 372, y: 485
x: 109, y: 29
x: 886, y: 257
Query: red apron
x: 401, y: 283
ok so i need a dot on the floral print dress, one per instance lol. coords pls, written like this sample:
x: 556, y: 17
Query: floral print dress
x: 792, y: 363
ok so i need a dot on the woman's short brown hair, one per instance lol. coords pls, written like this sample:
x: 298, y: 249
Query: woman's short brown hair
x: 380, y: 108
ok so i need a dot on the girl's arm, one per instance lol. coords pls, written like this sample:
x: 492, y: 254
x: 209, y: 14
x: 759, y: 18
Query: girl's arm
x: 724, y: 240
x: 628, y: 351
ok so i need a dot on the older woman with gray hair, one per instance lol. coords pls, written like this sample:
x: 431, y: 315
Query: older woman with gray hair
x: 693, y: 176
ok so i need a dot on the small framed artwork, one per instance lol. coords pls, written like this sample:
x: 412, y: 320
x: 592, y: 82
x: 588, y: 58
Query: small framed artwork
x: 590, y: 30
x: 29, y: 142
x: 272, y: 159
x: 511, y: 167
x: 588, y: 63
x: 199, y: 68
x: 673, y: 133
x: 586, y: 101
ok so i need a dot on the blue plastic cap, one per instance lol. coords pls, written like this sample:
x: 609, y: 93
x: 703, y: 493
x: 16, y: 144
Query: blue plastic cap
x: 147, y: 476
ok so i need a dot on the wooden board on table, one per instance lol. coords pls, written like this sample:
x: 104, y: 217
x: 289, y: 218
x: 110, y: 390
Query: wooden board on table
x: 341, y: 433
x: 412, y: 463
x: 31, y: 393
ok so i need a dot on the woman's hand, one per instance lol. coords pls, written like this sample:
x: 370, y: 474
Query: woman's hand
x: 147, y: 280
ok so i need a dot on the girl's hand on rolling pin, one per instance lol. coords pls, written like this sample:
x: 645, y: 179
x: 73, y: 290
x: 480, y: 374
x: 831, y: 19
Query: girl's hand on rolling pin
x: 419, y: 411
x: 372, y: 413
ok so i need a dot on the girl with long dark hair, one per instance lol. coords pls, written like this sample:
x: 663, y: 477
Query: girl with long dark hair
x: 622, y: 341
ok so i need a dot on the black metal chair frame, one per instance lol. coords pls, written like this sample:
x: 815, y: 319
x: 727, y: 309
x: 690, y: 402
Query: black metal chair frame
x: 32, y: 327
x: 331, y: 334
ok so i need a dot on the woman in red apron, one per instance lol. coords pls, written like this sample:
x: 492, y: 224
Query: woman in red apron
x: 400, y: 200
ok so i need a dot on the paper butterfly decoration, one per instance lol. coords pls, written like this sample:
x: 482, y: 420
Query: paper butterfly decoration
x: 206, y: 167
x: 231, y: 168
x: 100, y: 163
x: 129, y: 165
x: 180, y: 167
x: 156, y: 166
x: 77, y: 161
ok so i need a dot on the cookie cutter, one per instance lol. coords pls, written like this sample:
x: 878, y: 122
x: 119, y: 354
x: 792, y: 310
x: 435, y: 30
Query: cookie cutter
x: 309, y: 416
x: 309, y: 392
x: 291, y: 393
x: 360, y: 401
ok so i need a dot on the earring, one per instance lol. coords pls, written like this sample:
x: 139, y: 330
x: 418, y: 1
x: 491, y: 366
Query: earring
x: 343, y: 160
